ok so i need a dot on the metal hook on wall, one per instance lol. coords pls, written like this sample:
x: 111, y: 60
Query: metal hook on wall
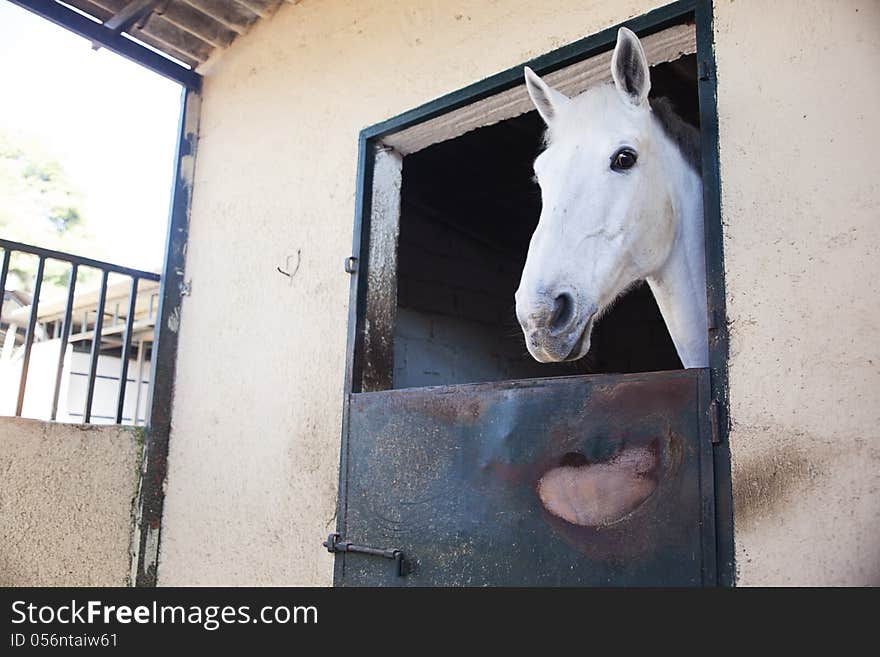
x: 288, y: 273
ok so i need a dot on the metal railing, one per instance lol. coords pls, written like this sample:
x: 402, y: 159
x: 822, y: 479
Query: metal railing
x: 75, y: 262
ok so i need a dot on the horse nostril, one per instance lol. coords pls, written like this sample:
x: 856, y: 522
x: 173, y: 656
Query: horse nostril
x: 563, y: 311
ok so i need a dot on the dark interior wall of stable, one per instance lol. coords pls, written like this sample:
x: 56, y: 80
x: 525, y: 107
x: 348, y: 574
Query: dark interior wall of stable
x: 455, y: 318
x: 469, y: 207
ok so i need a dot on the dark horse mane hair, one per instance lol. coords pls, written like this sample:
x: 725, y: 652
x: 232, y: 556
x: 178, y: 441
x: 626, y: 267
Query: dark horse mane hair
x: 682, y: 133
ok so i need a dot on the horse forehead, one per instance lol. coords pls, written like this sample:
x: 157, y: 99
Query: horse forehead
x: 600, y: 114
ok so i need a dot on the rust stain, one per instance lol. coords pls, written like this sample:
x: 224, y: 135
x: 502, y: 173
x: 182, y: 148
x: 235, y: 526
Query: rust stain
x: 611, y: 519
x: 599, y: 494
x: 447, y: 408
x: 631, y: 528
x: 630, y: 397
x: 594, y: 476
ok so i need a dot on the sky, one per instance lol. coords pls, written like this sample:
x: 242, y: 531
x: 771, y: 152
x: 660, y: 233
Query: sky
x: 112, y: 125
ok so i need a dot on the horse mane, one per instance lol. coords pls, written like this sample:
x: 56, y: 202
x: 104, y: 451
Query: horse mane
x: 685, y: 136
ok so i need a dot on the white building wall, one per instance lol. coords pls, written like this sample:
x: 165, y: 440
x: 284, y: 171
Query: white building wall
x: 40, y: 387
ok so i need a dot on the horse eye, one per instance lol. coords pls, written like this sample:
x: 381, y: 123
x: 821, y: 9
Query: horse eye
x: 623, y: 159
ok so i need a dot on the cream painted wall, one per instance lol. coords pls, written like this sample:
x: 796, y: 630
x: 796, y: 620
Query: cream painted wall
x: 797, y: 92
x: 66, y: 503
x: 254, y: 446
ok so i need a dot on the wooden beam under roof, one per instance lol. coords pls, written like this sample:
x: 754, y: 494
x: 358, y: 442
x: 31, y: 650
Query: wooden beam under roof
x: 95, y: 32
x: 170, y: 34
x: 188, y: 31
x: 262, y: 8
x: 130, y: 14
x: 166, y: 33
x: 232, y: 15
x: 161, y: 46
x: 198, y: 24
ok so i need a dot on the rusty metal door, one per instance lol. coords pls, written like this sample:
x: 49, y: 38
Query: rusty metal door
x: 585, y: 480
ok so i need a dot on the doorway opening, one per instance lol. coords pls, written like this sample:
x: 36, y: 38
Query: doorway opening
x: 469, y: 206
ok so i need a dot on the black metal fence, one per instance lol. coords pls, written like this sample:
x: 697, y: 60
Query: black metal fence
x: 75, y: 262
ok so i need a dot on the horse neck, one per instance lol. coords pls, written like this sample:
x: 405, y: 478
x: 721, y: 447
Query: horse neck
x: 679, y: 285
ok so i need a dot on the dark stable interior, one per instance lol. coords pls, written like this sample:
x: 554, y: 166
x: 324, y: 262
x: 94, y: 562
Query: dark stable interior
x: 469, y: 207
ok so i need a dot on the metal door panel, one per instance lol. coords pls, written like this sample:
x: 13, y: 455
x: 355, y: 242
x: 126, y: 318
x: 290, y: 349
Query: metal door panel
x: 508, y: 483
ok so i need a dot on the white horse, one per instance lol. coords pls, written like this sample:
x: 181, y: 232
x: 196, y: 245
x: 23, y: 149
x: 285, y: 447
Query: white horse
x: 622, y: 202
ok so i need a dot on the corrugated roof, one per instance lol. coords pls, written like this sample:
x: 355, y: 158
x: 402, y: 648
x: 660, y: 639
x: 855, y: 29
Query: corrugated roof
x: 187, y: 30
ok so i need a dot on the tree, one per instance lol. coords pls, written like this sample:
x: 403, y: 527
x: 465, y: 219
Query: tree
x: 39, y: 206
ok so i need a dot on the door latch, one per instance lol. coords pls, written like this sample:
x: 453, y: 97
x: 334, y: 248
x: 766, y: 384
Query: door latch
x: 335, y: 544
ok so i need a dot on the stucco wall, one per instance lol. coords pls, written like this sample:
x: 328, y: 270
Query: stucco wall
x: 797, y: 90
x: 255, y: 440
x: 66, y: 503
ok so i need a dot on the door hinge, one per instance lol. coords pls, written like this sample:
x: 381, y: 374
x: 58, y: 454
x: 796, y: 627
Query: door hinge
x: 350, y: 265
x: 335, y: 544
x: 714, y: 423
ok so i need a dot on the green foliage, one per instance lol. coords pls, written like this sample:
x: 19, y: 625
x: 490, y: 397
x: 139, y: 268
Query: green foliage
x: 40, y: 206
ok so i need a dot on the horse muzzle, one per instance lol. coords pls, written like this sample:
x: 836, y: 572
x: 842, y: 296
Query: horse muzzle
x: 556, y: 327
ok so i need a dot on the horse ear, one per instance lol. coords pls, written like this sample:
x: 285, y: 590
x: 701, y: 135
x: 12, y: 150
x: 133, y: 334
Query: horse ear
x: 546, y: 99
x: 629, y: 68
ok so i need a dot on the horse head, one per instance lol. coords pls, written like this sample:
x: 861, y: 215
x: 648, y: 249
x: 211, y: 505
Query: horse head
x: 607, y: 219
